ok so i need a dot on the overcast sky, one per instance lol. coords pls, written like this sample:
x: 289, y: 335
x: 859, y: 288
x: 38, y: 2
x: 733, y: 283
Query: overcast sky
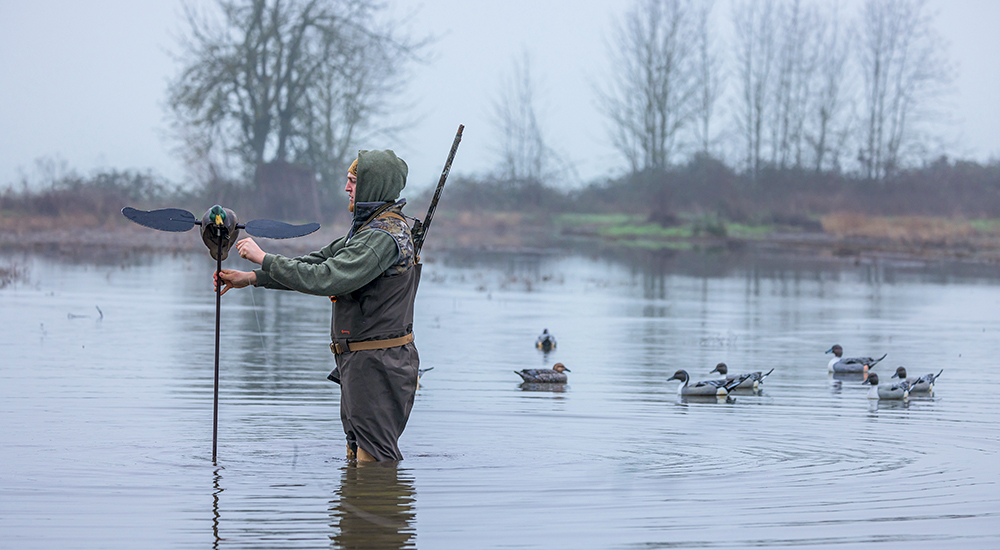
x: 85, y: 82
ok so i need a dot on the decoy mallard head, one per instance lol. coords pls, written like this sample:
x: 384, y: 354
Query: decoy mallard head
x: 218, y: 225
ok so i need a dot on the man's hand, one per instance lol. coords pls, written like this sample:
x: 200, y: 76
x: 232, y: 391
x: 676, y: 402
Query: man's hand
x: 234, y: 279
x: 249, y: 250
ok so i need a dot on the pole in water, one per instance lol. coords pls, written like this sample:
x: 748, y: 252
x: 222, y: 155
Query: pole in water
x: 218, y: 311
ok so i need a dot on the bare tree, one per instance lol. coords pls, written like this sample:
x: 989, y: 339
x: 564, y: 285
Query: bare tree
x: 755, y: 55
x: 524, y: 156
x: 904, y: 68
x: 827, y: 129
x: 650, y: 92
x: 286, y: 80
x: 795, y: 64
x: 709, y: 83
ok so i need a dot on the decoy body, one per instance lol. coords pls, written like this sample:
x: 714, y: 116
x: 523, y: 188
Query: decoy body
x: 219, y: 224
x: 750, y: 381
x: 839, y: 363
x: 924, y: 384
x: 706, y: 387
x: 546, y: 342
x: 897, y: 391
x: 555, y: 375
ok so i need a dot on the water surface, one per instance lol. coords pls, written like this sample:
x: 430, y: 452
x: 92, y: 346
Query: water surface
x: 106, y: 373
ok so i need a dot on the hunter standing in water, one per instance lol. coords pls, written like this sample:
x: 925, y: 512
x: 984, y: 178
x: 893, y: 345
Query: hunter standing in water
x: 371, y: 276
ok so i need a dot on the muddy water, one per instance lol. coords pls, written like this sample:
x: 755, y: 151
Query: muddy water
x: 106, y: 408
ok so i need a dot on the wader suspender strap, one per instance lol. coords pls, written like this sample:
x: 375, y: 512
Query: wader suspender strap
x: 362, y: 228
x: 344, y: 347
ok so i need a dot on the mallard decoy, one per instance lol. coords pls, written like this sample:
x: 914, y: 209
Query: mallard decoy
x: 924, y: 384
x: 751, y: 380
x: 839, y: 363
x: 900, y: 390
x: 219, y: 231
x: 219, y: 225
x: 706, y: 387
x: 546, y: 342
x: 555, y: 375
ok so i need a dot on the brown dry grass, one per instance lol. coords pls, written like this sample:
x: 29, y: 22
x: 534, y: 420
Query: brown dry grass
x: 901, y: 228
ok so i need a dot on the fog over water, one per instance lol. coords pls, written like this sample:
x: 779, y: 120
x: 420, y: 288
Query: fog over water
x: 85, y: 82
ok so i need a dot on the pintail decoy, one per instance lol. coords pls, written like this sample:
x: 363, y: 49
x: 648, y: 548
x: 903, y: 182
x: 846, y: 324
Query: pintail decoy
x: 924, y: 384
x: 546, y: 342
x: 900, y: 390
x: 751, y: 380
x: 420, y: 372
x: 839, y: 363
x: 706, y: 387
x: 555, y: 375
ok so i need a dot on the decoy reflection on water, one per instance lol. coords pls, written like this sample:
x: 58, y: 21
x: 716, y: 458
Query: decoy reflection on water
x: 893, y: 392
x: 545, y: 342
x: 924, y: 384
x: 839, y: 363
x: 750, y: 380
x: 555, y: 375
x: 719, y: 388
x: 542, y: 387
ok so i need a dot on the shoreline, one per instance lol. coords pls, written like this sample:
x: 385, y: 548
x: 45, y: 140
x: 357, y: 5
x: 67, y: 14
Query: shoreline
x: 511, y: 233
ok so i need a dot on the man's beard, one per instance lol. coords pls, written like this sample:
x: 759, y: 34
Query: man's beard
x: 350, y: 206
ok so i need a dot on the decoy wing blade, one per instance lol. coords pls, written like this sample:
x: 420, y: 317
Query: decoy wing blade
x: 271, y: 229
x: 165, y: 219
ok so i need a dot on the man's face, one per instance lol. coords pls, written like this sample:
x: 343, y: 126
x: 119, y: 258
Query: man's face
x: 352, y: 183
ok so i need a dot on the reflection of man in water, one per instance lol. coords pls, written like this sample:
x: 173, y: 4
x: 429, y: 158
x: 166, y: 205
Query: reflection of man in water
x: 374, y: 509
x: 372, y: 279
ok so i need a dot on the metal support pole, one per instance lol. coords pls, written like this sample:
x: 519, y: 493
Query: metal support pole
x: 218, y: 311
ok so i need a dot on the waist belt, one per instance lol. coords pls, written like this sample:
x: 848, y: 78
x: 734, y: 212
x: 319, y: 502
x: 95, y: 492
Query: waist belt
x: 338, y: 348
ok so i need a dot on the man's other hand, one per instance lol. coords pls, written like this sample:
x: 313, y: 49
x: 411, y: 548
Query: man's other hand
x: 249, y: 250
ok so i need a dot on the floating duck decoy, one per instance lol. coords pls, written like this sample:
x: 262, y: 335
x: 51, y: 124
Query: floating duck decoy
x: 420, y: 373
x: 839, y: 363
x: 555, y: 375
x: 924, y: 384
x: 750, y: 381
x: 719, y: 388
x: 546, y: 342
x: 220, y: 229
x: 897, y: 391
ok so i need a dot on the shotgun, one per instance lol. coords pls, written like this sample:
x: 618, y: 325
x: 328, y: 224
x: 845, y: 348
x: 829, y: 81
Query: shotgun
x: 419, y: 230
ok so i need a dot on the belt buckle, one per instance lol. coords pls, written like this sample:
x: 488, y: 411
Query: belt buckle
x: 336, y: 348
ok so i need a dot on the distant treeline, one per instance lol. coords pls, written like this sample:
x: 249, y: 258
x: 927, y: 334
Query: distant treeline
x: 100, y: 197
x: 789, y: 196
x: 953, y: 189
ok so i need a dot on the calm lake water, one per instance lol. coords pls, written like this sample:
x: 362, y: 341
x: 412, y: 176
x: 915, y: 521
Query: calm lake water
x: 107, y: 415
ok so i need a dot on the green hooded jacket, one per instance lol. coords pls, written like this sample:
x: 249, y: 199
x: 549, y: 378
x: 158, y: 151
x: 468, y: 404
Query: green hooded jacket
x: 352, y: 261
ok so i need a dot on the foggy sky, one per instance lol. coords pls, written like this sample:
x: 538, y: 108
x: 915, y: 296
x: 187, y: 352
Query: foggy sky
x: 86, y: 82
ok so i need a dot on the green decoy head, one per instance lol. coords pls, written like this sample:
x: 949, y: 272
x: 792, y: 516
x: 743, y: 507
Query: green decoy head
x: 219, y: 225
x: 218, y: 215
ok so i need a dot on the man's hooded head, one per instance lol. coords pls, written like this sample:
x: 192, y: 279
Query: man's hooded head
x: 381, y: 176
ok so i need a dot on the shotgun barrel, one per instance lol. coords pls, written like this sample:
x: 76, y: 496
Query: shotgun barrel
x: 420, y: 228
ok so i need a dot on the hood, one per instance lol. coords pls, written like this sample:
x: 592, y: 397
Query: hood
x: 381, y: 176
